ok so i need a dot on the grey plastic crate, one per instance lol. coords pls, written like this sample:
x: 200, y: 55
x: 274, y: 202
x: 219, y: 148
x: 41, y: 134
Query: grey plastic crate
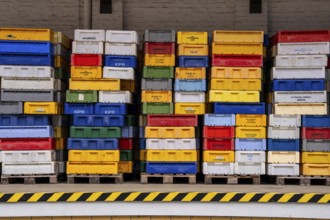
x: 61, y: 155
x: 156, y: 84
x: 60, y: 120
x: 59, y: 50
x: 30, y: 96
x: 11, y: 107
x: 159, y: 35
x: 316, y: 145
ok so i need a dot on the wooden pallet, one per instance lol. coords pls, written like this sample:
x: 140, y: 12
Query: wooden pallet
x: 168, y: 178
x: 290, y: 180
x: 95, y: 178
x: 231, y: 179
x: 322, y: 180
x: 31, y: 179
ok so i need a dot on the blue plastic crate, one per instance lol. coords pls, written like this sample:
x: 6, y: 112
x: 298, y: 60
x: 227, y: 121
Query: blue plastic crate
x: 129, y: 132
x: 28, y: 60
x: 239, y: 108
x: 266, y: 40
x: 78, y: 109
x: 120, y: 61
x: 24, y: 120
x: 219, y: 120
x: 93, y: 144
x: 316, y: 121
x: 141, y: 132
x: 250, y: 144
x: 283, y: 144
x: 171, y: 168
x: 193, y: 61
x: 25, y: 47
x: 26, y: 132
x: 190, y: 85
x: 298, y: 85
x: 111, y: 109
x: 143, y: 143
x: 98, y: 120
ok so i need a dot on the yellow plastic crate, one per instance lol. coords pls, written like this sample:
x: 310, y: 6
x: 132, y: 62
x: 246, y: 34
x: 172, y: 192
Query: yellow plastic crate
x: 250, y: 132
x: 92, y: 168
x: 236, y: 72
x: 60, y: 132
x: 127, y: 85
x: 100, y: 84
x: 93, y: 155
x: 60, y: 38
x: 316, y: 157
x: 60, y: 143
x: 33, y: 34
x: 156, y: 96
x: 251, y: 120
x: 49, y: 108
x: 169, y: 132
x: 219, y: 156
x: 236, y: 84
x: 190, y: 108
x: 300, y: 109
x: 234, y: 96
x: 159, y: 60
x: 264, y: 52
x: 190, y: 73
x: 316, y: 169
x: 86, y: 72
x: 172, y: 155
x: 125, y: 167
x: 283, y: 157
x: 237, y: 48
x: 143, y: 155
x: 193, y: 50
x: 192, y: 37
x: 60, y: 62
x: 238, y: 36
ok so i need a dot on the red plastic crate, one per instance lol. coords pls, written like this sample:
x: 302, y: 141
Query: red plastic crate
x: 159, y: 48
x: 237, y: 61
x: 126, y: 143
x: 301, y: 36
x: 219, y: 144
x: 86, y: 60
x: 219, y: 132
x: 172, y: 120
x: 27, y: 144
x: 316, y: 133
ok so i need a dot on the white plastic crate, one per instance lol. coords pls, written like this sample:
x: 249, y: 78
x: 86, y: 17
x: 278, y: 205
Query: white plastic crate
x: 218, y: 168
x: 87, y: 47
x: 61, y: 167
x: 283, y: 169
x: 189, y: 97
x: 89, y: 35
x: 27, y: 71
x: 301, y: 61
x: 115, y: 97
x: 121, y: 37
x: 29, y: 168
x: 283, y: 132
x: 250, y: 156
x: 27, y: 156
x: 118, y: 73
x: 250, y: 168
x: 283, y: 157
x: 302, y: 48
x: 120, y: 49
x: 284, y: 120
x: 300, y: 97
x: 171, y: 144
x: 298, y: 73
x: 301, y: 109
x: 30, y: 83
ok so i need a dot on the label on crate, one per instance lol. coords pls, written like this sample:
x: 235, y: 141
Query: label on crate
x: 81, y: 97
x: 40, y: 110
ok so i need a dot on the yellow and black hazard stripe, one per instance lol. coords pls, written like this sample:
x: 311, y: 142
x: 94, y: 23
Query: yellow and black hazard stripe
x: 165, y: 197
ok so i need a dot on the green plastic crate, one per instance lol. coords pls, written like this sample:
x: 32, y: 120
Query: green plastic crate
x: 131, y: 120
x: 158, y: 72
x: 81, y: 96
x: 61, y: 74
x: 95, y: 132
x: 126, y: 155
x: 157, y: 108
x: 143, y: 166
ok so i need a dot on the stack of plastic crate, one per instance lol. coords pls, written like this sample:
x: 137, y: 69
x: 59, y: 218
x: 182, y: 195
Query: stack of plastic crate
x: 27, y: 76
x: 316, y: 146
x: 157, y: 80
x: 190, y: 82
x: 235, y: 90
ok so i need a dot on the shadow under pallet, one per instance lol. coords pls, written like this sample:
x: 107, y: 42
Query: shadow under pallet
x: 95, y: 179
x: 168, y: 178
x: 232, y: 179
